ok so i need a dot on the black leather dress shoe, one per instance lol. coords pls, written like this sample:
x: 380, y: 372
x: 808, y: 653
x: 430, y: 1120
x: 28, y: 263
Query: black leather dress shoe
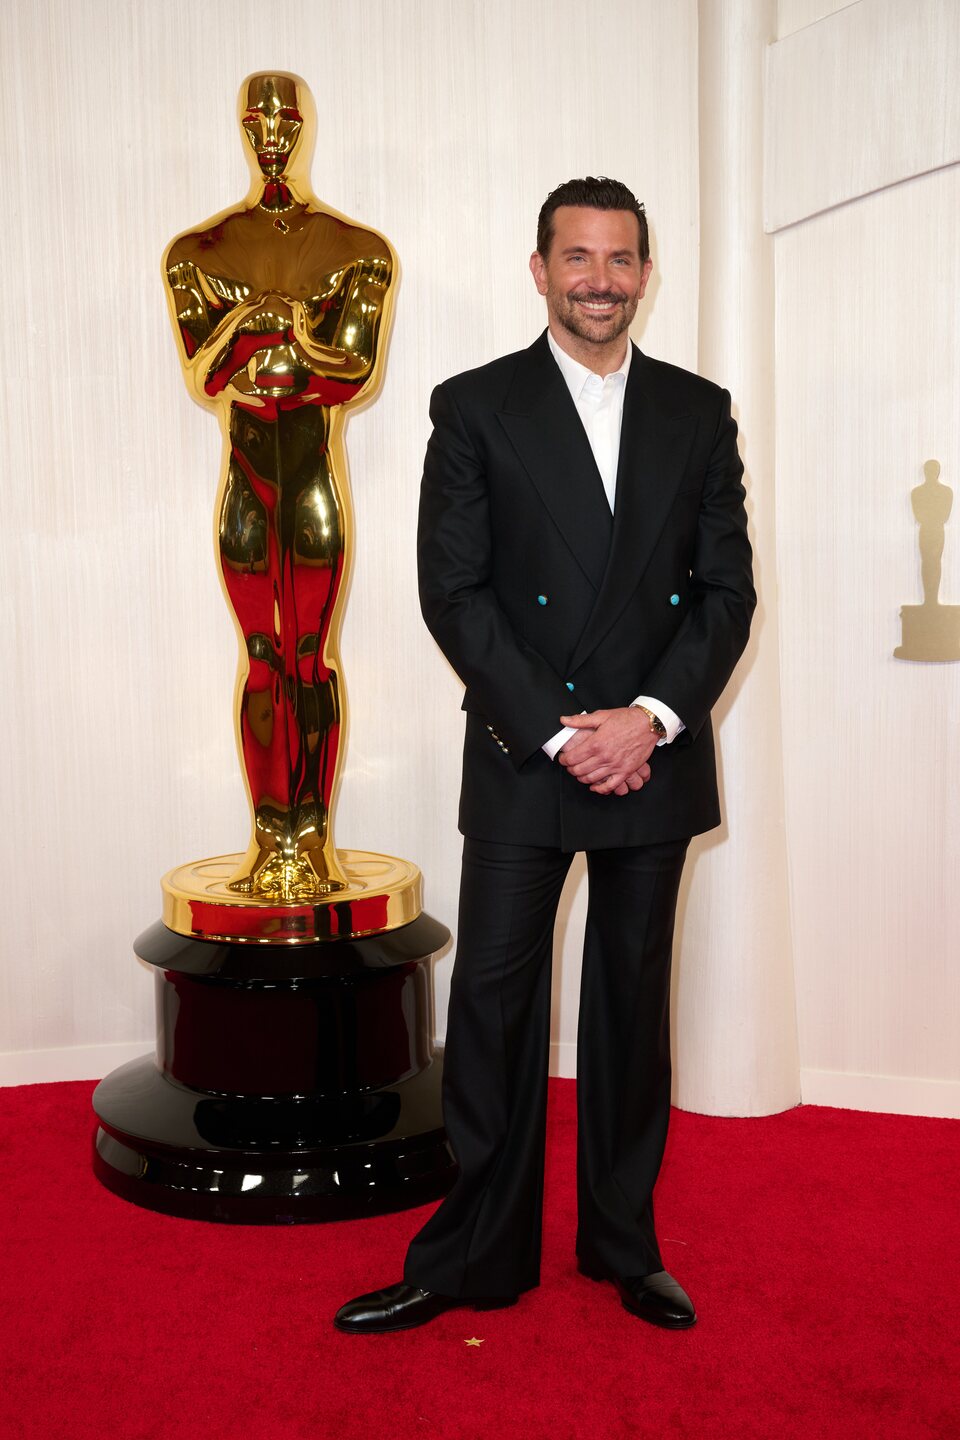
x: 657, y: 1297
x: 403, y: 1307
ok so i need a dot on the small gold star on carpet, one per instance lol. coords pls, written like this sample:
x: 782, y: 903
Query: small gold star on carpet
x: 473, y: 1341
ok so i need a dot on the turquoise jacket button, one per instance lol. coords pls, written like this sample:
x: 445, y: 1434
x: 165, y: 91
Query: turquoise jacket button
x: 541, y: 599
x: 569, y: 684
x: 674, y: 599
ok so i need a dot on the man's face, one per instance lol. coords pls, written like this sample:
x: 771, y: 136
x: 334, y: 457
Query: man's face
x: 592, y: 278
x: 272, y: 123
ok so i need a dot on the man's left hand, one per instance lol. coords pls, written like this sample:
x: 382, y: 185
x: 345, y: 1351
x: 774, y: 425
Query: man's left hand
x: 614, y: 744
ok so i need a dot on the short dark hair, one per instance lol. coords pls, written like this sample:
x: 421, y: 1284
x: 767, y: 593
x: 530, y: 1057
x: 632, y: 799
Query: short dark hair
x: 593, y: 192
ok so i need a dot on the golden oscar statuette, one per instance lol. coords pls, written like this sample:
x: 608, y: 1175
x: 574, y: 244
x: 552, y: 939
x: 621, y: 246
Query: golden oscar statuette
x: 295, y: 1075
x: 931, y: 631
x: 281, y: 307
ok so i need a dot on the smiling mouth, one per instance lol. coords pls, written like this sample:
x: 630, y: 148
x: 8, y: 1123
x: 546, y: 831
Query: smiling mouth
x: 596, y: 307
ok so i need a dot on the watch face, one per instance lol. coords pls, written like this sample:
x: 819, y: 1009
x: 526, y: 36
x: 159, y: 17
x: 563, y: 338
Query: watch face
x: 656, y: 724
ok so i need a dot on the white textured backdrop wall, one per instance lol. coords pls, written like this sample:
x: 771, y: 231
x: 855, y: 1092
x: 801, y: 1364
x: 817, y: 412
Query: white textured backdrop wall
x: 868, y: 383
x: 868, y: 371
x: 443, y: 124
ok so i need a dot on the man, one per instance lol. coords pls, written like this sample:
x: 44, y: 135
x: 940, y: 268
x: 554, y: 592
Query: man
x: 584, y: 566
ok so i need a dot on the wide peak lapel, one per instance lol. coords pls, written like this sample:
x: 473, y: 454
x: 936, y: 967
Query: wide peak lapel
x: 654, y: 445
x: 542, y: 424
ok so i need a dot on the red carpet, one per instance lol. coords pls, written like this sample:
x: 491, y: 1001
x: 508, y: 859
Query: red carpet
x: 820, y: 1246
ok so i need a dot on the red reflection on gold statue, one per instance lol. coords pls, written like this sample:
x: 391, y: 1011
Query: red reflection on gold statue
x: 279, y: 306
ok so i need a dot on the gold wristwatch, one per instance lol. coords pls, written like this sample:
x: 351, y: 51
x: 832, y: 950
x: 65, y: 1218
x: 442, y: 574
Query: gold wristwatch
x: 656, y: 724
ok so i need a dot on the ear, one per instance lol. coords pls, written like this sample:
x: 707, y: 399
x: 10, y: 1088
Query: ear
x: 538, y: 269
x: 644, y: 277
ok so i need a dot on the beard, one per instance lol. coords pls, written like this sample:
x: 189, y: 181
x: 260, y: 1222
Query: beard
x: 595, y: 329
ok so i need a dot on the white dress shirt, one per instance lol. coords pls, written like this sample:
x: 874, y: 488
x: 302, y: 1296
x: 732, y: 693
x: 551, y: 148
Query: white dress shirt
x: 599, y: 402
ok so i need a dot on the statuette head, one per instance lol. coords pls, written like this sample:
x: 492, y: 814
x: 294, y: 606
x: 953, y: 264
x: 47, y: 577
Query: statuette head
x: 277, y: 119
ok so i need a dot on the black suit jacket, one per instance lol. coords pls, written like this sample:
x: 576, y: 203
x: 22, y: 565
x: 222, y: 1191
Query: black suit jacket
x: 654, y: 600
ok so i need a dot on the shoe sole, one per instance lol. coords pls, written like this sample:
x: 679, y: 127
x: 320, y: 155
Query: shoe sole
x: 416, y: 1324
x: 686, y: 1324
x: 382, y: 1329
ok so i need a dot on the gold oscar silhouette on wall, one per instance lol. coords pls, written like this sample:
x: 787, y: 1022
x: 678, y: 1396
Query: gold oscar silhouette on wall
x: 931, y: 631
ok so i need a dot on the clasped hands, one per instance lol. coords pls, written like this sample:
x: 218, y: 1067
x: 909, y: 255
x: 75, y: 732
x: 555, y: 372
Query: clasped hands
x: 611, y: 750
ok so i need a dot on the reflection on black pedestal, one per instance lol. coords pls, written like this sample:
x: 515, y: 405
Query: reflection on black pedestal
x: 294, y: 1083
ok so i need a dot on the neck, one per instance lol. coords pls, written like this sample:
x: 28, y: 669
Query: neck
x: 275, y: 195
x: 601, y: 359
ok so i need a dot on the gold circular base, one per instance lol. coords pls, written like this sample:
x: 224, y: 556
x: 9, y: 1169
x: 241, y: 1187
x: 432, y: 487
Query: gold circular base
x: 382, y: 893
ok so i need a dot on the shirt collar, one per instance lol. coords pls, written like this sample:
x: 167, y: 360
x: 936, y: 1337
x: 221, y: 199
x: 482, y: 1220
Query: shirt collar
x: 577, y: 375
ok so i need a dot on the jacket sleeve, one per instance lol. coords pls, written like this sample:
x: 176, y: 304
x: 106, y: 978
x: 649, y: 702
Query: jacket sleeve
x: 691, y: 673
x: 519, y: 693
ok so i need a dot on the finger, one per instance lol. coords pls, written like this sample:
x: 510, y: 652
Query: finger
x: 606, y: 787
x: 589, y: 721
x: 585, y: 759
x: 634, y: 781
x: 605, y: 783
x: 594, y: 775
x: 572, y: 747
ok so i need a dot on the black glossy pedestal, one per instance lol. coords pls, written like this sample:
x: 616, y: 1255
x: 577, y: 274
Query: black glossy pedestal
x: 290, y: 1082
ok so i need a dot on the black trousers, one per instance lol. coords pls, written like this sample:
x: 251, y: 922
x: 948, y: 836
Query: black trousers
x: 484, y: 1240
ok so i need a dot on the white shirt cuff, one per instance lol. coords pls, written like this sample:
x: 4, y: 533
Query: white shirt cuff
x: 671, y: 721
x: 556, y: 742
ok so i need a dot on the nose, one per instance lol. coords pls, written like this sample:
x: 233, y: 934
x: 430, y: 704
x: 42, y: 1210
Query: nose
x: 600, y: 277
x: 597, y: 275
x: 269, y: 129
